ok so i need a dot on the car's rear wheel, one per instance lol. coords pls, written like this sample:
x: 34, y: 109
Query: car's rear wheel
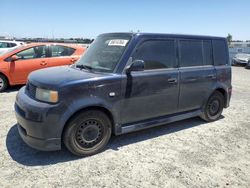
x: 3, y: 83
x: 87, y: 133
x: 248, y: 65
x: 214, y: 107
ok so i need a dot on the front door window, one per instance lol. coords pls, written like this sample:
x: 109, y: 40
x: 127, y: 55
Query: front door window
x: 32, y: 53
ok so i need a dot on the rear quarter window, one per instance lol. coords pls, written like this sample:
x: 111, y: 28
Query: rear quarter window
x: 57, y: 51
x: 220, y: 52
x: 10, y: 45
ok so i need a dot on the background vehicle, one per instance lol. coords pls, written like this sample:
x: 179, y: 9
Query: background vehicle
x: 241, y: 59
x: 125, y: 82
x: 16, y: 65
x: 6, y: 46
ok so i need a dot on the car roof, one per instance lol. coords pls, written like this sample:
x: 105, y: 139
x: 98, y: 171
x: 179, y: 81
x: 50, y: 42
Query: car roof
x: 171, y: 35
x: 12, y: 41
x: 30, y: 45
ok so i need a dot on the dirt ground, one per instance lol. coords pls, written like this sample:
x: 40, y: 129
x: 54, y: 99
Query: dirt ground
x: 188, y: 153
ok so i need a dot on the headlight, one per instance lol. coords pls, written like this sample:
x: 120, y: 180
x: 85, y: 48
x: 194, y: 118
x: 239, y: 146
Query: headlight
x: 46, y: 95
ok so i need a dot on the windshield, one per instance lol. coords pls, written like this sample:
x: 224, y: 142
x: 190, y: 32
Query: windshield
x: 104, y: 53
x: 242, y: 56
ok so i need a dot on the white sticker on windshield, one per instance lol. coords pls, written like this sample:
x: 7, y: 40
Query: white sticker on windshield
x: 118, y: 42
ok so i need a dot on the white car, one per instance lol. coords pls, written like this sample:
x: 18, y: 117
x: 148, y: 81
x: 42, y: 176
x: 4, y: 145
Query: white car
x: 241, y: 59
x: 6, y: 45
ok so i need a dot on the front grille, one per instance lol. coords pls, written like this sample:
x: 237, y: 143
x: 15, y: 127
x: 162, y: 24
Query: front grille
x: 31, y: 90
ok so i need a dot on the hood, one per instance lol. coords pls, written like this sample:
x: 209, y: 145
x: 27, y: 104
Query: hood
x: 56, y: 77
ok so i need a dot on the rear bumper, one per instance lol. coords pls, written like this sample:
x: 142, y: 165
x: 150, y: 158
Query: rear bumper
x: 38, y: 123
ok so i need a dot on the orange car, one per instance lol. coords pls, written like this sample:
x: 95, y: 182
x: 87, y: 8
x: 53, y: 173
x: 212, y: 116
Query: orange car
x: 16, y: 65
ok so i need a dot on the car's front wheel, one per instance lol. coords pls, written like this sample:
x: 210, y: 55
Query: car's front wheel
x: 214, y: 107
x: 3, y: 83
x: 234, y: 63
x: 248, y: 65
x: 87, y: 133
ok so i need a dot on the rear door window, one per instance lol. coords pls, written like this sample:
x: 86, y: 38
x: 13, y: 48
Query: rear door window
x: 157, y: 54
x: 10, y: 45
x: 190, y: 53
x: 220, y: 52
x: 57, y: 51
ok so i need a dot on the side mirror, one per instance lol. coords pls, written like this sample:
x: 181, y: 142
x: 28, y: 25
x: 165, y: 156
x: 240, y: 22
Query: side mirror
x: 137, y: 65
x: 14, y: 58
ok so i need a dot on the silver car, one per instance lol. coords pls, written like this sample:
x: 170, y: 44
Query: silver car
x: 241, y: 59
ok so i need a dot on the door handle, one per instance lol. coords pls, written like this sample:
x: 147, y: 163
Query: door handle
x: 211, y: 76
x: 172, y: 80
x: 191, y: 79
x: 43, y: 63
x: 73, y: 60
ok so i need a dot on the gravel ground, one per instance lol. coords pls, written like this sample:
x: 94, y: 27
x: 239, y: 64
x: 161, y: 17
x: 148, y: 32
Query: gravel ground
x: 189, y: 153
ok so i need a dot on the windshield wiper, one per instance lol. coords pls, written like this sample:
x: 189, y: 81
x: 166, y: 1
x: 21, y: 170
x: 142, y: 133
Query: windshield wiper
x: 84, y: 67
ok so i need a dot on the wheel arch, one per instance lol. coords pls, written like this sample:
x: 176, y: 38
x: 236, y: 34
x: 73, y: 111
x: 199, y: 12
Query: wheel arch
x: 7, y: 78
x: 224, y: 93
x: 94, y: 107
x: 220, y: 89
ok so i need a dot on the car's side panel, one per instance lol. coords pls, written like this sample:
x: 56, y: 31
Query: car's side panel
x: 20, y: 69
x: 196, y: 83
x: 100, y: 93
x: 59, y: 61
x: 159, y: 121
x: 65, y: 60
x: 149, y: 94
x: 224, y: 79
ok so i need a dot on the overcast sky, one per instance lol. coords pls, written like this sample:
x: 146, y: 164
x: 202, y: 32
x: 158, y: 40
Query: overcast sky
x: 82, y: 18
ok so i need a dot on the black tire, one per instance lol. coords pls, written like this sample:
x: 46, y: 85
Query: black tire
x: 87, y: 133
x: 214, y: 107
x: 233, y: 63
x: 248, y: 65
x: 3, y: 83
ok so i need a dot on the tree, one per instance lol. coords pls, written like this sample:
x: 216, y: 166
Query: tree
x: 229, y: 38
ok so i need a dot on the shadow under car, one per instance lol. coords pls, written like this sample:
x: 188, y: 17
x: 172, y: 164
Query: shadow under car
x: 25, y: 155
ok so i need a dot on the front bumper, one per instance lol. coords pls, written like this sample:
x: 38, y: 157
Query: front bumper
x: 38, y: 123
x: 39, y: 144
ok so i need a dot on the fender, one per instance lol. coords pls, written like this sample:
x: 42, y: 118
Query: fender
x: 8, y: 78
x: 217, y: 86
x: 80, y: 104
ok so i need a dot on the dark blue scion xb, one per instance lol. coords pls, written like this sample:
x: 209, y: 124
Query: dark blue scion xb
x: 125, y: 82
